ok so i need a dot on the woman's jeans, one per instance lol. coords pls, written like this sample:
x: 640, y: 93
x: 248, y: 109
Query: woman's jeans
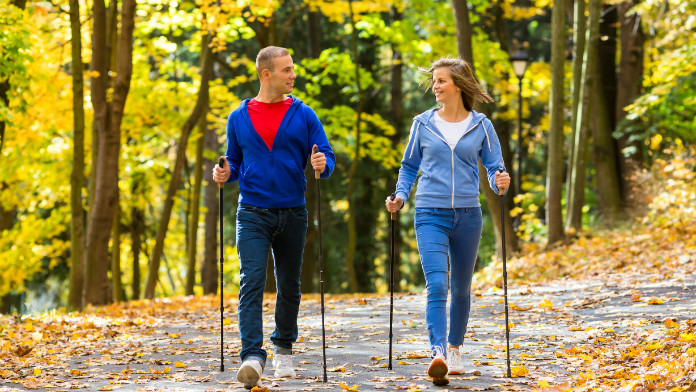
x: 441, y: 232
x: 283, y: 230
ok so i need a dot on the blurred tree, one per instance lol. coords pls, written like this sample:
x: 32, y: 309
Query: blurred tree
x: 108, y: 114
x: 554, y: 167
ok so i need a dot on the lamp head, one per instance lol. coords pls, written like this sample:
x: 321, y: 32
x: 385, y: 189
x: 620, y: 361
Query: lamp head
x: 519, y: 61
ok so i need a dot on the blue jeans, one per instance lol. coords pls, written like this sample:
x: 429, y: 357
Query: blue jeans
x: 283, y: 231
x: 443, y: 232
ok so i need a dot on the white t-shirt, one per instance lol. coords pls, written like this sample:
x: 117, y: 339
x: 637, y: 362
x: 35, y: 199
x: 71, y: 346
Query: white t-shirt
x: 452, y: 131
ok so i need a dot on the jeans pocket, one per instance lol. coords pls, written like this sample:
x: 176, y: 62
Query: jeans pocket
x: 299, y: 213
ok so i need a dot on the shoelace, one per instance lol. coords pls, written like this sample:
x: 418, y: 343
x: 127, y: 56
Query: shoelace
x: 437, y: 350
x: 455, y: 357
x: 284, y: 361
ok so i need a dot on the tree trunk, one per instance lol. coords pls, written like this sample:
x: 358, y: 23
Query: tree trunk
x: 196, y: 198
x: 464, y: 30
x: 352, y: 172
x: 629, y: 85
x: 137, y: 230
x: 77, y: 213
x: 309, y: 259
x: 502, y: 128
x: 314, y: 19
x: 464, y: 47
x: 397, y: 115
x: 116, y: 284
x: 579, y: 31
x: 197, y: 112
x: 209, y: 272
x: 108, y: 118
x: 606, y: 163
x: 554, y: 168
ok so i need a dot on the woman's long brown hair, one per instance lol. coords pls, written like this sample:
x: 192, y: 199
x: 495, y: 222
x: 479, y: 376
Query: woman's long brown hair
x: 463, y: 77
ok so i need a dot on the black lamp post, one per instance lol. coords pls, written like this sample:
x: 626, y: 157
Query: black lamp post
x: 519, y: 61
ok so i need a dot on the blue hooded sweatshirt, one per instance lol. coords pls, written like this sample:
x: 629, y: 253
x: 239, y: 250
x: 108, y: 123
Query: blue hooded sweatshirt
x: 275, y: 178
x: 449, y: 177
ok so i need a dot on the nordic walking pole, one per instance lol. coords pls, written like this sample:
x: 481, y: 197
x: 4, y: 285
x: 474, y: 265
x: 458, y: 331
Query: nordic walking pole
x: 221, y: 163
x: 317, y: 174
x: 507, y: 323
x: 391, y: 285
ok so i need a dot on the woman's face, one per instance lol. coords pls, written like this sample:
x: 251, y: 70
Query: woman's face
x: 443, y: 86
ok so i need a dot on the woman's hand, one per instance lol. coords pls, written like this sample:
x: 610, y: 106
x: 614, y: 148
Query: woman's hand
x: 502, y: 181
x: 394, y: 205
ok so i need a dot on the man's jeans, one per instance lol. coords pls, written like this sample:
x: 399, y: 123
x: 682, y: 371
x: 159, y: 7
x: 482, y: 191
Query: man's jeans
x: 283, y: 230
x: 441, y: 232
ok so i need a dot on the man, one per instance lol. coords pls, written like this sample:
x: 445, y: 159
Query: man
x: 269, y: 139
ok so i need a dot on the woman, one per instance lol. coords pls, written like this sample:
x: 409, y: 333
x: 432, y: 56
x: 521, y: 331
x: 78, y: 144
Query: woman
x: 445, y: 144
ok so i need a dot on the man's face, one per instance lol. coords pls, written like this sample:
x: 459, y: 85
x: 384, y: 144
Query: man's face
x: 282, y: 78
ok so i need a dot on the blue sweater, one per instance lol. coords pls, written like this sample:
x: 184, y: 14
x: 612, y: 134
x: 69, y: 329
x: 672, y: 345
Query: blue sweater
x: 275, y: 178
x: 449, y: 177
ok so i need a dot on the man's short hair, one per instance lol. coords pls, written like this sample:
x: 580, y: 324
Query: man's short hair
x: 266, y: 55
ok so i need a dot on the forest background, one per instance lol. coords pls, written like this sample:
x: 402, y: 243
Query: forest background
x: 112, y: 115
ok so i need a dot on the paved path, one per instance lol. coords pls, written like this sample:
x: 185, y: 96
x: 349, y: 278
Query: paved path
x: 177, y: 349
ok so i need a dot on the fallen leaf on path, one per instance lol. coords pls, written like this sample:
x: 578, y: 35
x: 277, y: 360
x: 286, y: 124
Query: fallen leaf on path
x: 345, y: 386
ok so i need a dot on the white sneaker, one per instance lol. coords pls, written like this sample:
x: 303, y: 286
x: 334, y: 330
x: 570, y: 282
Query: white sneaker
x: 250, y: 372
x: 438, y: 368
x: 283, y: 366
x: 454, y: 361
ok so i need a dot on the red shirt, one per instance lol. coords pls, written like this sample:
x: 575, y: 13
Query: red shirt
x: 266, y: 118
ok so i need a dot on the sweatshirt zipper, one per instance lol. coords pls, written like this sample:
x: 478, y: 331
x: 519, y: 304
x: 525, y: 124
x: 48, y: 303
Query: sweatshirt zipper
x: 451, y: 148
x: 451, y: 158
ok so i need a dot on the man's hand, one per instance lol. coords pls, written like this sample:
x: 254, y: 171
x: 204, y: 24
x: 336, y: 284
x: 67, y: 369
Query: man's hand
x: 318, y: 160
x: 222, y: 174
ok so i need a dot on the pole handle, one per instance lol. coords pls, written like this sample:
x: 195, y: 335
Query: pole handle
x: 317, y: 173
x: 221, y: 163
x: 393, y: 214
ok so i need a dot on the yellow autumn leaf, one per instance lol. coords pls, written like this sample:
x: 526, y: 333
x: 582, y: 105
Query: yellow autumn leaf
x: 180, y: 365
x: 108, y: 387
x: 345, y: 386
x: 519, y: 371
x: 404, y: 363
x: 655, y: 141
x: 174, y: 335
x: 413, y: 389
x: 546, y: 304
x: 543, y: 383
x: 656, y: 301
x: 669, y: 323
x: 37, y: 371
x: 687, y: 337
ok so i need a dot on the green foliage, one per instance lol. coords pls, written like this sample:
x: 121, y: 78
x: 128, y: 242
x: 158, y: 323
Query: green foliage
x: 336, y: 71
x: 15, y: 45
x: 667, y: 108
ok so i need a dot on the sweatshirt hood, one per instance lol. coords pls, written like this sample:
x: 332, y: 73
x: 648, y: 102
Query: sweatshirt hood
x: 295, y: 101
x: 426, y: 117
